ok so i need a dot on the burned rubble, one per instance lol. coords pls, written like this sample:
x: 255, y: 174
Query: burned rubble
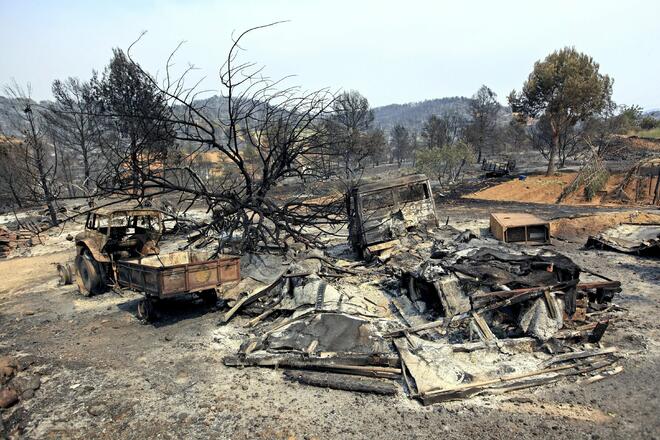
x: 642, y: 240
x: 444, y: 312
x: 11, y: 240
x: 17, y: 382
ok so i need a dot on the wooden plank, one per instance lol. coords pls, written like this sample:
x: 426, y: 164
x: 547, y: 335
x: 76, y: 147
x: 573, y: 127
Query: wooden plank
x: 346, y: 382
x: 514, y: 300
x: 248, y: 298
x: 382, y: 246
x: 300, y: 363
x: 603, y: 375
x: 484, y: 332
x: 254, y: 321
x: 578, y: 355
x: 599, y: 285
x: 322, y: 358
x: 551, y: 303
x: 514, y: 292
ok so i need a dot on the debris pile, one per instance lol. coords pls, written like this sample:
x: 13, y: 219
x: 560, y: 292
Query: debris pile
x: 16, y: 382
x: 11, y: 240
x: 643, y: 240
x: 445, y: 313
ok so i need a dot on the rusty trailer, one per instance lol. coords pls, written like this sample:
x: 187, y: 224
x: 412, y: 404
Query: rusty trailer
x: 519, y: 228
x: 166, y: 276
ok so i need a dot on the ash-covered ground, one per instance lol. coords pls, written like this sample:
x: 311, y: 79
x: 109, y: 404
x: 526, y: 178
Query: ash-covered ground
x: 102, y: 374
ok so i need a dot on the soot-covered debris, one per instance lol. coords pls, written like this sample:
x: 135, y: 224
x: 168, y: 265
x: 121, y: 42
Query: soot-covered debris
x: 419, y: 315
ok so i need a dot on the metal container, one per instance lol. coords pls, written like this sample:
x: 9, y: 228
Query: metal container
x: 516, y: 227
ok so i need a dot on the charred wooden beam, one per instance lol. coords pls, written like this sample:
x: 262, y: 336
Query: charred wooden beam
x: 346, y: 382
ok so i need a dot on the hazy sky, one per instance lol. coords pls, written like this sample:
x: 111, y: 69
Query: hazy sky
x: 392, y: 52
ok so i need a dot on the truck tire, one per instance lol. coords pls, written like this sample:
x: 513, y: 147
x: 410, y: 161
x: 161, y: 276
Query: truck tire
x: 89, y: 275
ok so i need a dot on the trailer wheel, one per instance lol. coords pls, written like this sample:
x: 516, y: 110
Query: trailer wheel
x: 145, y: 311
x: 209, y: 297
x: 90, y: 279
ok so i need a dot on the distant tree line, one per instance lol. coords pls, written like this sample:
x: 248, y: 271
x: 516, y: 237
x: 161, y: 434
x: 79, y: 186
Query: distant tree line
x: 122, y: 133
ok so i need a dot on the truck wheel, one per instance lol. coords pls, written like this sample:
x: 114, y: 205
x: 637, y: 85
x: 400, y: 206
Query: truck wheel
x: 145, y: 311
x: 90, y: 280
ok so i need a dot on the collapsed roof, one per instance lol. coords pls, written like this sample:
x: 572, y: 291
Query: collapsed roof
x: 420, y: 314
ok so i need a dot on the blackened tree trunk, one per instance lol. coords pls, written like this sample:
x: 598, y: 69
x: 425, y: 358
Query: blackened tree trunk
x: 43, y: 174
x: 554, y: 147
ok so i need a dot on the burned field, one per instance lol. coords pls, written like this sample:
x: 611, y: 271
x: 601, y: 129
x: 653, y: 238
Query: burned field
x: 437, y: 328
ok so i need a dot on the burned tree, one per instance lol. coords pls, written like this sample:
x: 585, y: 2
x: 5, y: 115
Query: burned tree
x: 400, y: 143
x: 484, y: 109
x: 567, y: 143
x: 434, y: 132
x: 137, y: 131
x: 601, y: 130
x: 38, y: 158
x: 352, y: 140
x: 447, y: 128
x: 565, y: 88
x: 76, y: 124
x: 513, y: 135
x: 264, y: 133
x: 446, y: 163
x: 13, y: 185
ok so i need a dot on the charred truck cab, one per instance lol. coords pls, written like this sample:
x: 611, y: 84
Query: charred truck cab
x: 110, y: 235
x: 119, y: 247
x: 380, y: 212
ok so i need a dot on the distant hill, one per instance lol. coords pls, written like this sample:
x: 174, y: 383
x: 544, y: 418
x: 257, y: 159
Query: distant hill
x: 413, y: 115
x: 6, y: 109
x: 654, y: 113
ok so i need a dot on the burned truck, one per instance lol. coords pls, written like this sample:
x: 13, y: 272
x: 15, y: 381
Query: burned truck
x: 112, y: 234
x: 494, y: 168
x: 380, y: 212
x: 119, y: 248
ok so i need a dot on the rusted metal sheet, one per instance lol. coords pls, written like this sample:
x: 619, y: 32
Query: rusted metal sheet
x: 643, y: 240
x: 519, y: 227
x: 400, y: 181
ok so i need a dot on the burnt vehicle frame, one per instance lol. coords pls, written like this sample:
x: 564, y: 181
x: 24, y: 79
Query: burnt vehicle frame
x: 112, y: 234
x: 119, y: 247
x: 380, y: 212
x: 495, y: 168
